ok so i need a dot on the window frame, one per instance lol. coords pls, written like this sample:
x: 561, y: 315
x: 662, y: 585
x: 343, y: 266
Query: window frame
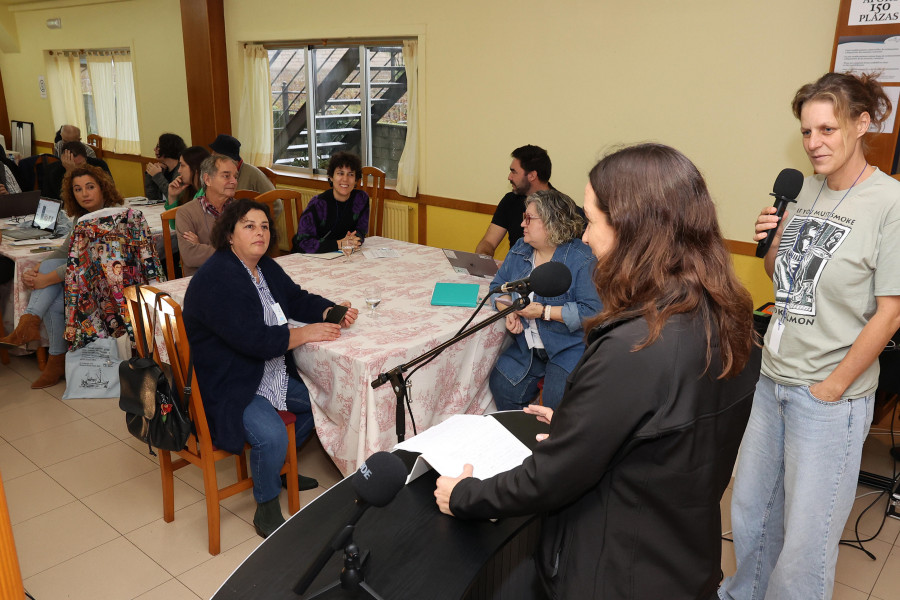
x: 309, y: 47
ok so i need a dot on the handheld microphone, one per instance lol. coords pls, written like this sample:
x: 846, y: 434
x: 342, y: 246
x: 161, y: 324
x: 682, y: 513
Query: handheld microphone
x: 786, y: 188
x: 548, y: 280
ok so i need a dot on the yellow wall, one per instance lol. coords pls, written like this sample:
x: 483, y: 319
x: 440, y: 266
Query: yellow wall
x: 578, y: 77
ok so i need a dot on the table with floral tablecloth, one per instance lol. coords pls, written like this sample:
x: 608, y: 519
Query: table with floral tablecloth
x: 352, y: 419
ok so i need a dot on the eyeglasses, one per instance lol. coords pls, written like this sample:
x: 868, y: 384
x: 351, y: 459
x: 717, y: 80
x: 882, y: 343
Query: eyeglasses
x: 529, y: 218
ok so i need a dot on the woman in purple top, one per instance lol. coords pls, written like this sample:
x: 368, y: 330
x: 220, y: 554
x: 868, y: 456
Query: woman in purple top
x: 338, y: 215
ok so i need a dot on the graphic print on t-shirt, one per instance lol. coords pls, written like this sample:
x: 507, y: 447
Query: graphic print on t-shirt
x: 816, y: 242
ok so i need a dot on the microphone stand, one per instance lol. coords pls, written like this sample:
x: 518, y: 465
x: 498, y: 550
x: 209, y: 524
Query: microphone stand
x: 395, y: 375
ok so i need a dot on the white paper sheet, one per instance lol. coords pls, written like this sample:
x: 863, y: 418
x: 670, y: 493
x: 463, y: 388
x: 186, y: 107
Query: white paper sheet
x: 381, y: 253
x: 477, y: 440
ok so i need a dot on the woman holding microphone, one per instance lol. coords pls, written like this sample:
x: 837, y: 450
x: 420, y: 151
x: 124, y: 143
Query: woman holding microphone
x: 836, y: 268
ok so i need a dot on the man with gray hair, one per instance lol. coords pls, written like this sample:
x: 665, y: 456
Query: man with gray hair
x: 70, y: 133
x: 194, y: 221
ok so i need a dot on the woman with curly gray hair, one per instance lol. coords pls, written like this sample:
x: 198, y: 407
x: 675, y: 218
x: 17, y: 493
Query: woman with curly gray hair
x: 548, y: 333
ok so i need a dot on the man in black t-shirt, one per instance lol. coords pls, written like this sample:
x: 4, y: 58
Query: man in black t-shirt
x: 529, y: 172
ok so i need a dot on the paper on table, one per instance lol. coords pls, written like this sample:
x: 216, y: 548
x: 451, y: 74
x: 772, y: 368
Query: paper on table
x: 381, y: 253
x: 477, y: 440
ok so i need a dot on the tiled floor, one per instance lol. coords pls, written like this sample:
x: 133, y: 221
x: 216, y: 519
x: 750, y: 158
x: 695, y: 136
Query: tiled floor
x: 86, y: 504
x: 86, y: 507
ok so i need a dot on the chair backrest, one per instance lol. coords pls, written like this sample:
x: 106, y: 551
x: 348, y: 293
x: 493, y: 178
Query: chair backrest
x: 249, y: 194
x: 168, y: 217
x: 11, y: 585
x: 372, y: 183
x: 269, y: 173
x: 171, y: 322
x: 287, y: 198
x: 96, y: 142
x: 139, y: 313
x: 40, y: 168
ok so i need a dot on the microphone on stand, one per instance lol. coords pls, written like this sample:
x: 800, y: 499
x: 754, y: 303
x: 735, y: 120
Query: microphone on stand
x: 376, y: 483
x: 548, y: 280
x: 786, y: 189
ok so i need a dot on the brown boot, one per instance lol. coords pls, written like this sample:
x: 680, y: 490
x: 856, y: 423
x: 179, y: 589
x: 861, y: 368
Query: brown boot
x: 53, y: 372
x: 28, y: 330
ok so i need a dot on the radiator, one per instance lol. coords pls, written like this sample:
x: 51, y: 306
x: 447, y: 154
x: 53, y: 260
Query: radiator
x: 396, y: 221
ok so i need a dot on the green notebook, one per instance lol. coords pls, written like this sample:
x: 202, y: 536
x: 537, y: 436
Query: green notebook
x: 455, y: 294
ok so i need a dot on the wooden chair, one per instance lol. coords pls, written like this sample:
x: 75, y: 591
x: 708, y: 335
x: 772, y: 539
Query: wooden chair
x: 10, y: 574
x: 168, y: 217
x: 287, y: 198
x: 249, y: 194
x: 96, y: 142
x: 269, y: 173
x: 4, y: 354
x: 372, y: 183
x: 200, y: 450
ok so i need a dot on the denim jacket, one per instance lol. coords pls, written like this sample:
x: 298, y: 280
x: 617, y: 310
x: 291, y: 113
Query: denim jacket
x: 563, y: 341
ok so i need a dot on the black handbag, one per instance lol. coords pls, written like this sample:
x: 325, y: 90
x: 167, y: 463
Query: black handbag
x: 153, y: 412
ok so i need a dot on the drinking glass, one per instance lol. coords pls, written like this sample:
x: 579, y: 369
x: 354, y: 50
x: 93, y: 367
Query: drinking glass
x: 347, y: 249
x: 373, y: 298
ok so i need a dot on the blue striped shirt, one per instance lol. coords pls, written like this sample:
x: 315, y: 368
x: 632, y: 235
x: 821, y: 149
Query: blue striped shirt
x: 273, y: 386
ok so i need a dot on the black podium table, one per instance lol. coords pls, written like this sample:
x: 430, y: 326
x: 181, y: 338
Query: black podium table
x: 415, y: 550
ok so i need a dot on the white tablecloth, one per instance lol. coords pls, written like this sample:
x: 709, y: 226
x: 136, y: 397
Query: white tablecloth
x: 352, y: 419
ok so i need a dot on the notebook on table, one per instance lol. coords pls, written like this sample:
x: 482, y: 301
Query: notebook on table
x: 455, y: 294
x: 42, y: 225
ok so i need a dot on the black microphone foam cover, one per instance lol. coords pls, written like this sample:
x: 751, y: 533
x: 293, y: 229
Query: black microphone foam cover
x: 788, y: 184
x: 379, y: 479
x: 551, y: 279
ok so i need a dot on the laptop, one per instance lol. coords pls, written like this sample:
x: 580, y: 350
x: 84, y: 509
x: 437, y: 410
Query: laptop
x: 42, y: 225
x: 479, y: 265
x: 17, y: 205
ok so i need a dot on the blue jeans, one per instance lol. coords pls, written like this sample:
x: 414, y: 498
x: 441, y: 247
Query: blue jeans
x: 265, y: 432
x: 514, y: 396
x: 795, y: 485
x: 47, y: 303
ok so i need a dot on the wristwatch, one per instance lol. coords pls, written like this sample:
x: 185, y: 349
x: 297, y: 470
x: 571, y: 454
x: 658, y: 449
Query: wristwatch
x: 547, y: 312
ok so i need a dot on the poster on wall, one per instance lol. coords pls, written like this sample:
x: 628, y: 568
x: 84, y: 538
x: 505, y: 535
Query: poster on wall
x: 874, y: 12
x: 869, y: 54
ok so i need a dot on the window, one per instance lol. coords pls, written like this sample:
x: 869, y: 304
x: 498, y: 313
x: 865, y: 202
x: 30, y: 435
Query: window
x: 94, y: 90
x: 358, y: 104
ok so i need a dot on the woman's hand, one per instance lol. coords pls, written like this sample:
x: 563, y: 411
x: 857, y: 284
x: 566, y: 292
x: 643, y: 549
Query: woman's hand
x: 350, y: 316
x: 445, y: 487
x: 535, y: 310
x: 544, y: 414
x: 36, y: 280
x: 514, y: 324
x: 352, y: 238
x: 824, y: 392
x: 176, y: 187
x: 766, y: 221
x: 153, y: 168
x: 315, y: 332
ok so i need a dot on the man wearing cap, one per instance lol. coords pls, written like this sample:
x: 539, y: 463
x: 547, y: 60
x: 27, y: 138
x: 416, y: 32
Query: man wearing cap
x: 249, y: 177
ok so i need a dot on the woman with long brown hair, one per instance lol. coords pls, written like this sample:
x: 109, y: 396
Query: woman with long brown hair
x: 85, y: 189
x: 643, y: 443
x: 835, y: 264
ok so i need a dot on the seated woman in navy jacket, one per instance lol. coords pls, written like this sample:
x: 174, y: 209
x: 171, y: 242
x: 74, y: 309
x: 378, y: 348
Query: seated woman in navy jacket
x: 235, y: 312
x: 549, y: 337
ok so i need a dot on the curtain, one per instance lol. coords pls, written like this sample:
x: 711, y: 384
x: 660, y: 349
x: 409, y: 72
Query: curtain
x: 408, y: 167
x: 112, y: 84
x: 255, y: 124
x: 64, y: 90
x: 128, y: 137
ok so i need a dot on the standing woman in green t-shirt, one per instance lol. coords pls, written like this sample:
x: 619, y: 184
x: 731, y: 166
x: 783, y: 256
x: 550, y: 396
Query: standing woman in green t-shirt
x: 835, y: 262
